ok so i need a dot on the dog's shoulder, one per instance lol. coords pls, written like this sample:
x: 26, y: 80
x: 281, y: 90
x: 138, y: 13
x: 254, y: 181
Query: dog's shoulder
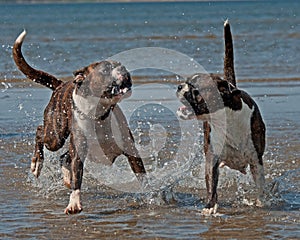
x: 63, y: 94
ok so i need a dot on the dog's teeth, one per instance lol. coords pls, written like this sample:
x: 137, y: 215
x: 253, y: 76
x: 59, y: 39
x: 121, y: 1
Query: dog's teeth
x: 124, y: 90
x: 115, y: 91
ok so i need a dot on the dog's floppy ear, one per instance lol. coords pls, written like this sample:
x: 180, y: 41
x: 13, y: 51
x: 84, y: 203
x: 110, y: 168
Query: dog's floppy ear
x: 236, y: 93
x: 236, y: 99
x: 231, y: 95
x: 224, y: 88
x: 80, y: 75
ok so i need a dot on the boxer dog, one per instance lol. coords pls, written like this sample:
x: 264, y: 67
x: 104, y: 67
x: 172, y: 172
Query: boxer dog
x: 80, y: 109
x: 234, y: 131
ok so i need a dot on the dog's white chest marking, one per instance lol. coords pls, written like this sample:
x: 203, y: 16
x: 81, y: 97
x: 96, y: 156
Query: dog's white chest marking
x: 111, y: 131
x: 232, y: 139
x: 87, y: 106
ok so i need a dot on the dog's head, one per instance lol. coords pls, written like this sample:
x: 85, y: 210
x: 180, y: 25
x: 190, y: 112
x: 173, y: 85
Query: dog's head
x: 204, y: 94
x: 108, y: 80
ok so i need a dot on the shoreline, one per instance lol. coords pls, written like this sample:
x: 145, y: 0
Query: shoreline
x: 23, y: 82
x: 102, y: 1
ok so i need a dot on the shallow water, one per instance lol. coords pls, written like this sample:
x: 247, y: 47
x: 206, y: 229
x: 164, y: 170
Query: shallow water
x: 34, y: 209
x: 84, y: 33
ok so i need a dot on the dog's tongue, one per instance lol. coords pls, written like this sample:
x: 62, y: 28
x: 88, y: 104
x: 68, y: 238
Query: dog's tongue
x: 183, y: 108
x: 185, y: 113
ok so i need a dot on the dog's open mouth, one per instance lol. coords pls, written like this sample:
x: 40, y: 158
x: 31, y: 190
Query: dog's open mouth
x: 186, y: 111
x: 118, y: 92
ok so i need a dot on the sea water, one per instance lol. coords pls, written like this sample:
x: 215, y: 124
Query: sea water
x: 64, y: 37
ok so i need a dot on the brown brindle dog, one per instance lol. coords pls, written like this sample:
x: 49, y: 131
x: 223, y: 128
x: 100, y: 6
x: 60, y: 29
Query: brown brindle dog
x: 82, y: 109
x: 234, y: 131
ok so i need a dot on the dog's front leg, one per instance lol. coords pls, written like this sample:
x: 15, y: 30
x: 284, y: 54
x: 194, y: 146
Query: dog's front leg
x: 211, y: 173
x: 65, y: 162
x: 75, y: 205
x: 211, y: 179
x: 138, y: 168
x: 76, y: 153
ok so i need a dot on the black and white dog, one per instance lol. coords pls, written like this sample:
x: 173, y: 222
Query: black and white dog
x: 234, y: 131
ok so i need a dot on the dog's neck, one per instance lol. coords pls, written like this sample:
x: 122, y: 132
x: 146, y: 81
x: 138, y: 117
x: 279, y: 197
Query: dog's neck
x: 88, y: 107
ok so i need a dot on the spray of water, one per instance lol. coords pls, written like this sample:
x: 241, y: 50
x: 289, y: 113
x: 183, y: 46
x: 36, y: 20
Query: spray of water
x: 167, y: 145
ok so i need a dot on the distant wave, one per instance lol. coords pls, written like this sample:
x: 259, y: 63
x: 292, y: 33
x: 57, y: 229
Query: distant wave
x: 293, y: 35
x: 140, y: 79
x: 130, y: 38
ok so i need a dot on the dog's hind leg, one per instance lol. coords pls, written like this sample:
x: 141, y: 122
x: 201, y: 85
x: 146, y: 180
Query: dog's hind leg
x: 77, y: 153
x: 38, y: 157
x: 65, y: 161
x: 257, y: 171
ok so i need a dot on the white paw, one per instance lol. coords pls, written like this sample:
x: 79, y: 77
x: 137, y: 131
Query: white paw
x: 210, y: 211
x: 259, y: 203
x: 254, y: 202
x: 74, y: 204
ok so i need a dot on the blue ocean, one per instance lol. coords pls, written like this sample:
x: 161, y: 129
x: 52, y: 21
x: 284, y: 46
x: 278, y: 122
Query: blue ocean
x: 63, y: 37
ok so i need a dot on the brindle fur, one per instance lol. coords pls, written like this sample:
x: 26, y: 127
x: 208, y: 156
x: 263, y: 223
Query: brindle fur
x: 59, y: 124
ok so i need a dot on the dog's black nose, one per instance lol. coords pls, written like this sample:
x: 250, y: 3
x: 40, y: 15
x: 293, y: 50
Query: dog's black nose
x: 179, y: 88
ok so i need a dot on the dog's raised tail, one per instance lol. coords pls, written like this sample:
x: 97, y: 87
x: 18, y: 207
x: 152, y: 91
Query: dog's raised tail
x: 31, y: 73
x: 229, y: 74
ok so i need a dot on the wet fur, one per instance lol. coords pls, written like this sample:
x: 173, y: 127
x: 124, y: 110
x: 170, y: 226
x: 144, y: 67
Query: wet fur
x: 65, y: 117
x: 244, y: 131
